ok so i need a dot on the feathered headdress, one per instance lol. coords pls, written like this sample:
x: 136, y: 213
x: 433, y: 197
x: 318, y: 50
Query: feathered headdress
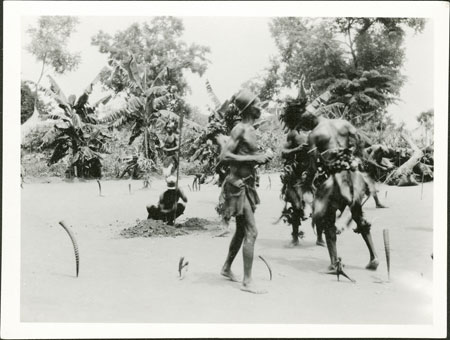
x: 294, y: 108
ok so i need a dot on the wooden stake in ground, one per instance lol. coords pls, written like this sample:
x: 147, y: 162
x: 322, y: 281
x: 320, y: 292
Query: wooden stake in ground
x: 99, y: 188
x: 387, y: 251
x: 181, y: 266
x: 178, y: 162
x: 74, y: 243
x: 421, y: 187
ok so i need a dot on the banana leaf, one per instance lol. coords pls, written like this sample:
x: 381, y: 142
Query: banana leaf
x: 54, y: 87
x: 212, y: 95
x: 132, y: 71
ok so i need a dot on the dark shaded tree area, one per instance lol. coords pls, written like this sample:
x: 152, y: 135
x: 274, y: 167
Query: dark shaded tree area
x: 26, y: 102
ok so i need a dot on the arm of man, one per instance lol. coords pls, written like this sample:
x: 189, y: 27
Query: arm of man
x: 171, y: 149
x: 287, y: 147
x: 295, y: 138
x: 230, y: 147
x: 354, y: 140
x: 160, y: 202
x: 182, y: 195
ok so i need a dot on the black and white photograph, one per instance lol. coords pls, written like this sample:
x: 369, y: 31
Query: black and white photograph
x: 224, y: 169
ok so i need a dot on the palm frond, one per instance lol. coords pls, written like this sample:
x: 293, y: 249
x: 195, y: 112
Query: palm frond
x: 58, y: 116
x: 113, y: 117
x: 156, y: 90
x: 103, y: 101
x: 334, y: 110
x: 215, y: 100
x: 54, y: 87
x: 164, y: 72
x: 133, y: 72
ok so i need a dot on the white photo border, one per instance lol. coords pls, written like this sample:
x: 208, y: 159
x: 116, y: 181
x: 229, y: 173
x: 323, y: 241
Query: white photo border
x: 12, y: 327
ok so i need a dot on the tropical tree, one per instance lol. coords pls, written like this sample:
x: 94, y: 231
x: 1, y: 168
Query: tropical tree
x: 145, y: 110
x: 48, y: 44
x: 76, y: 131
x: 155, y: 45
x: 26, y: 102
x: 358, y: 60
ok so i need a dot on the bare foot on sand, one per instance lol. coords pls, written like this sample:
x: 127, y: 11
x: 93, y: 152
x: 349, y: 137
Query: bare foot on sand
x: 332, y: 269
x: 223, y: 234
x: 251, y: 288
x: 380, y: 206
x: 373, y: 265
x: 229, y: 274
x: 320, y: 243
x: 293, y: 243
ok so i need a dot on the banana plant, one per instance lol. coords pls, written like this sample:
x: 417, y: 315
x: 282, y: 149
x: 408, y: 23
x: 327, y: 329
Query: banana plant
x: 147, y: 106
x: 75, y: 131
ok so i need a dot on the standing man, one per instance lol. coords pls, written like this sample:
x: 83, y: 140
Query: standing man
x: 170, y: 148
x: 240, y: 196
x: 335, y: 148
x: 296, y: 170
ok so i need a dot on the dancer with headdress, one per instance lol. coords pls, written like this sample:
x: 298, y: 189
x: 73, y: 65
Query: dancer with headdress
x: 296, y: 174
x: 336, y: 151
x: 240, y: 196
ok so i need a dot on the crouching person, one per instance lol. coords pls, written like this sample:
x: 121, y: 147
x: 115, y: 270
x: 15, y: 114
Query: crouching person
x: 168, y: 208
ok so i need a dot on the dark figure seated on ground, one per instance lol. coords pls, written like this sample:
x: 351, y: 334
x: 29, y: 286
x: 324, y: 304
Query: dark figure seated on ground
x: 168, y: 208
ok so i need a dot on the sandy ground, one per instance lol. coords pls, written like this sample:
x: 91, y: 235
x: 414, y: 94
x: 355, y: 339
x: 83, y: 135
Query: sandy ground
x: 136, y: 279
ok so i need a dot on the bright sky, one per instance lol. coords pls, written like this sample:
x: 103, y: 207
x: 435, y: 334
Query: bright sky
x: 240, y: 49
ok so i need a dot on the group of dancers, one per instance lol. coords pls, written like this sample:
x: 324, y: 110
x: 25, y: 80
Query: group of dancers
x: 322, y: 156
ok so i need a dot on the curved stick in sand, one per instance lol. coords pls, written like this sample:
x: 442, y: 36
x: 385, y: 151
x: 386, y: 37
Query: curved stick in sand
x: 74, y: 243
x: 99, y: 188
x: 268, y: 266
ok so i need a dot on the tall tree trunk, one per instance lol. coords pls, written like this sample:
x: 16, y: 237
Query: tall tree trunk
x: 146, y: 155
x: 33, y: 120
x: 350, y: 44
x: 37, y: 83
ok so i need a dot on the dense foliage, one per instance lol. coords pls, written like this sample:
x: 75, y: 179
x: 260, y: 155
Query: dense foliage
x: 156, y: 45
x: 26, y: 102
x: 75, y: 132
x: 358, y: 59
x: 48, y: 44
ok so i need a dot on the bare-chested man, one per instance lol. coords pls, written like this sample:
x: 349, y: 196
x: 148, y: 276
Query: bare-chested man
x: 170, y: 148
x: 295, y: 173
x: 240, y: 196
x: 334, y: 145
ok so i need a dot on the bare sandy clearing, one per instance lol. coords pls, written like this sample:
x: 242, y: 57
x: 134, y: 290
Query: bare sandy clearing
x: 136, y: 279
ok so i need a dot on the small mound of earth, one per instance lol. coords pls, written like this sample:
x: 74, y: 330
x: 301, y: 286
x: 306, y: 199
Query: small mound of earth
x: 153, y: 228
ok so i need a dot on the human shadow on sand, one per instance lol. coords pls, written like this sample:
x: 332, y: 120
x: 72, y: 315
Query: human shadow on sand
x: 284, y: 244
x: 213, y: 279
